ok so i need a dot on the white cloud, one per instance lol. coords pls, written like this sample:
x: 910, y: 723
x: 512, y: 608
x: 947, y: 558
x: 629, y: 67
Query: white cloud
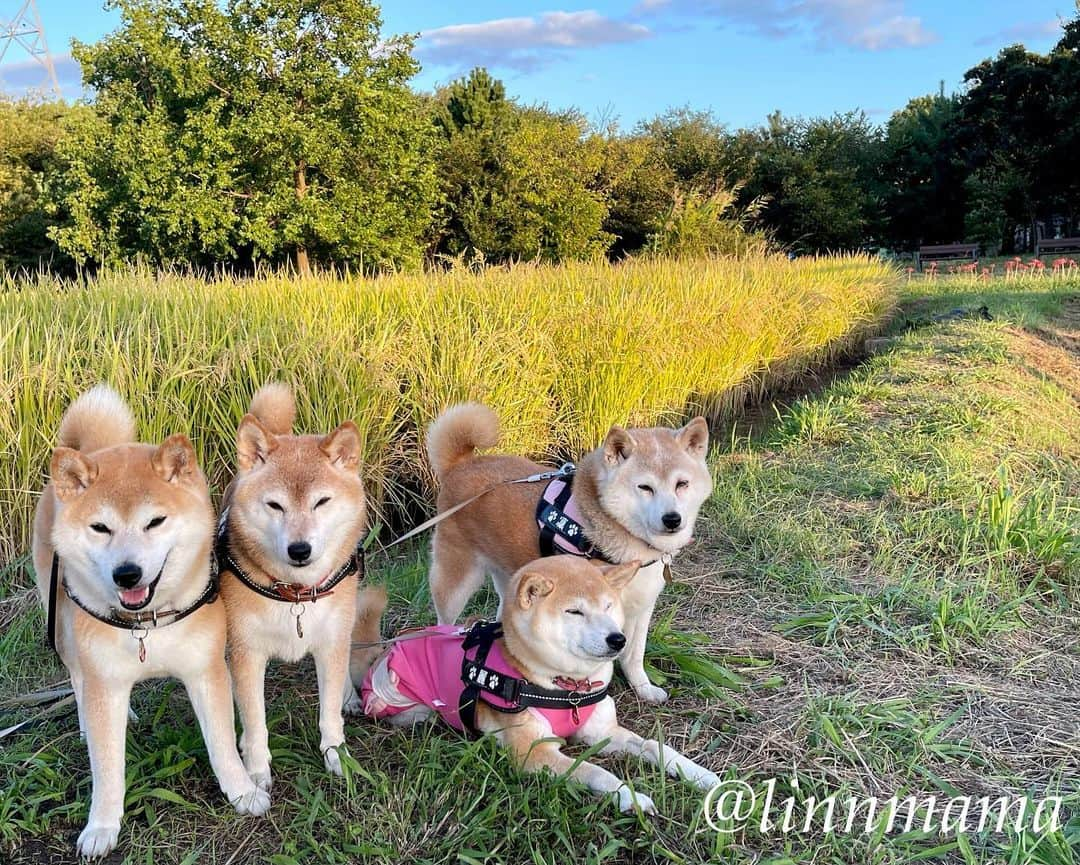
x: 870, y: 25
x: 29, y: 75
x: 1023, y: 32
x: 896, y: 32
x: 524, y: 43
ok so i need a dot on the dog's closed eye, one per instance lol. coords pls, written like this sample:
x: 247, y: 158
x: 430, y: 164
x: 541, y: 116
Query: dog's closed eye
x: 575, y: 612
x: 154, y: 523
x: 321, y: 502
x: 274, y: 506
x: 101, y: 528
x: 645, y: 488
x: 682, y: 485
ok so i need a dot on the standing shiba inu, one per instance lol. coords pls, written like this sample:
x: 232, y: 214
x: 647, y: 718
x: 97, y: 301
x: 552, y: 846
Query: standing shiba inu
x: 292, y: 521
x: 636, y: 497
x: 542, y: 673
x: 122, y: 550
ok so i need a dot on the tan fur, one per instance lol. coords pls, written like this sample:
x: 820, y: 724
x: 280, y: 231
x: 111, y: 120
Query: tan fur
x: 370, y: 604
x: 98, y: 419
x: 122, y: 483
x: 275, y: 407
x: 498, y: 534
x: 541, y: 642
x: 458, y: 433
x: 295, y: 472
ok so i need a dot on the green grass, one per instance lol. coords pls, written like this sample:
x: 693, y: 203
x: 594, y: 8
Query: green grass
x: 882, y: 599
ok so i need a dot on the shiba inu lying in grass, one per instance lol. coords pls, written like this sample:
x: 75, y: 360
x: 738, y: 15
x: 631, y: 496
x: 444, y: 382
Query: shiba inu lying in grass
x: 542, y: 672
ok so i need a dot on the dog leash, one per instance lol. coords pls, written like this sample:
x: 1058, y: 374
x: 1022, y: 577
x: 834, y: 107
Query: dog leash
x: 564, y: 471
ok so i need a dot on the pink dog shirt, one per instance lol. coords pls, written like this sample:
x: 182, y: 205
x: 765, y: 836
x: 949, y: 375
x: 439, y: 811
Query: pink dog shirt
x: 429, y: 671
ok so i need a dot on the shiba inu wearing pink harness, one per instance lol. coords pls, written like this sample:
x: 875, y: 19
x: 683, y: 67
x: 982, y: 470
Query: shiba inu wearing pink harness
x: 449, y: 668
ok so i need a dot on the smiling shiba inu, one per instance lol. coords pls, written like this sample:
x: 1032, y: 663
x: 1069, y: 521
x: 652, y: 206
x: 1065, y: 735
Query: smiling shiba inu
x: 122, y: 550
x: 542, y: 673
x: 292, y: 521
x: 636, y: 497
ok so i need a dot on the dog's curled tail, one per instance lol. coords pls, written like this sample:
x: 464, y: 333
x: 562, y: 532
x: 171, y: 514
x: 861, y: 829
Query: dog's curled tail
x: 370, y: 604
x: 98, y: 419
x: 458, y: 432
x: 275, y: 407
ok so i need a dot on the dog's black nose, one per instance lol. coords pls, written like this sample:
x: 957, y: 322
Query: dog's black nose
x: 616, y: 641
x: 126, y: 575
x: 299, y: 551
x: 671, y: 520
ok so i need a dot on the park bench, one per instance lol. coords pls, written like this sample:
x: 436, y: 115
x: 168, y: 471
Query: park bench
x: 1050, y: 245
x: 947, y: 252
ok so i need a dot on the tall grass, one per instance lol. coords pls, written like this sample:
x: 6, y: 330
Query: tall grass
x: 560, y: 352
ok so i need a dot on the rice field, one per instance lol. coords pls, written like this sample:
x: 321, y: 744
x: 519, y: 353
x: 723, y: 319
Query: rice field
x: 561, y: 353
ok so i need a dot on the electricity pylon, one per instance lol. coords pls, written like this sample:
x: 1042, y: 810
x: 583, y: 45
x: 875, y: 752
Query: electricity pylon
x: 26, y: 31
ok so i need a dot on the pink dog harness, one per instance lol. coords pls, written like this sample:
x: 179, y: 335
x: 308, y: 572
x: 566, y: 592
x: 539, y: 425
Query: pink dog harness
x: 449, y: 669
x: 559, y: 520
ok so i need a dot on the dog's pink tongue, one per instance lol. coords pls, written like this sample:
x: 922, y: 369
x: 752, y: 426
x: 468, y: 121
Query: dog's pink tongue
x: 133, y: 597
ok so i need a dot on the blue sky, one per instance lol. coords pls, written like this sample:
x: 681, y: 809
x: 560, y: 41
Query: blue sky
x: 630, y: 59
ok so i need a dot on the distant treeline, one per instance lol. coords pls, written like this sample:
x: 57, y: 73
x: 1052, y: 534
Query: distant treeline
x: 286, y: 131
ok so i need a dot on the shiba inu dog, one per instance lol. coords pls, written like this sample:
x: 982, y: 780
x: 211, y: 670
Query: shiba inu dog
x: 542, y: 673
x: 292, y: 520
x: 636, y: 497
x: 122, y: 549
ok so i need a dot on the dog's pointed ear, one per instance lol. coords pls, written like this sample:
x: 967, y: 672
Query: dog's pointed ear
x: 71, y: 473
x: 532, y: 587
x: 175, y: 459
x: 254, y: 442
x: 618, y: 576
x: 342, y: 446
x: 618, y: 445
x: 694, y: 437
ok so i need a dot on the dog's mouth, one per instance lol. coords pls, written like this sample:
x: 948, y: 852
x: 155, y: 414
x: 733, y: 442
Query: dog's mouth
x: 139, y: 597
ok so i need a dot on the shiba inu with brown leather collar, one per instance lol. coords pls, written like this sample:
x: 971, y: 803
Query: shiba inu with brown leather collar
x: 122, y: 549
x: 292, y: 521
x: 636, y: 497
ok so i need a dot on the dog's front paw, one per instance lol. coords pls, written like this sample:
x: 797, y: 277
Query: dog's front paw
x: 704, y: 779
x: 650, y: 693
x: 630, y: 801
x: 96, y: 841
x: 333, y: 759
x: 255, y: 801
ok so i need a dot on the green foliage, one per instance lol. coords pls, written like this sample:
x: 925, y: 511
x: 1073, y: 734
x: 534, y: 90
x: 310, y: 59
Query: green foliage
x: 28, y: 137
x: 255, y: 130
x: 924, y: 200
x: 517, y: 183
x: 819, y: 180
x: 702, y: 224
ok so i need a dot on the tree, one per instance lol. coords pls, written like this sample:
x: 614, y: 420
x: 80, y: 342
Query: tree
x: 517, y: 183
x: 924, y: 173
x: 818, y: 180
x: 28, y: 139
x: 255, y: 129
x: 695, y: 147
x: 1007, y: 129
x: 475, y: 120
